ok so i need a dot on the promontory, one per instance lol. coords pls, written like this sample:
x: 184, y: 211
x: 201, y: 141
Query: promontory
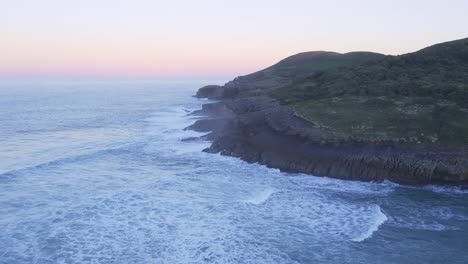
x: 358, y: 116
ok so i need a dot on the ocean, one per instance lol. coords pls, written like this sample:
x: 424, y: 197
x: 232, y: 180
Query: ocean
x: 98, y: 172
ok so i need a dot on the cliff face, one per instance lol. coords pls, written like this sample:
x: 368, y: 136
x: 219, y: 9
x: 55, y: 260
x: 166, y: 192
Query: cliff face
x: 275, y: 117
x: 274, y: 136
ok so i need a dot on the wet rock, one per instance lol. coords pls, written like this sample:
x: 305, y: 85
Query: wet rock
x: 259, y: 130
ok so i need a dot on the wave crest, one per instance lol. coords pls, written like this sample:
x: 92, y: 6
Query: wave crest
x: 378, y: 219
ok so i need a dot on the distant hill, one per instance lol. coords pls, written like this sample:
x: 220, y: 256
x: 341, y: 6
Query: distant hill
x: 439, y: 71
x: 296, y: 67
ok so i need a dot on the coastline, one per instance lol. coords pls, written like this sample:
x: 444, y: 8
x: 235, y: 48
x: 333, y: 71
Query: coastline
x: 257, y: 129
x: 356, y: 116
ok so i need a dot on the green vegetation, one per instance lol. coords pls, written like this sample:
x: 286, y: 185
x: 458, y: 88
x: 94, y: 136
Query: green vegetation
x: 309, y: 62
x: 419, y: 98
x: 304, y: 64
x: 414, y: 121
x: 298, y: 67
x: 440, y: 71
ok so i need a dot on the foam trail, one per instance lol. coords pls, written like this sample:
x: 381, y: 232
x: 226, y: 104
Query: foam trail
x: 379, y: 219
x: 261, y: 197
x: 445, y: 189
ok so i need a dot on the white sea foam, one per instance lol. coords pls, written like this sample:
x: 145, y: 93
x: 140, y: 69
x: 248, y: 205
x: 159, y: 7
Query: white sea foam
x: 338, y: 185
x: 154, y: 198
x: 378, y: 219
x: 261, y: 197
x: 446, y: 189
x: 168, y: 128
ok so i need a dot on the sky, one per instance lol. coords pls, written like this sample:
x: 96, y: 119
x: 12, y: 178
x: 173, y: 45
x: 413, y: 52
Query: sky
x: 178, y: 39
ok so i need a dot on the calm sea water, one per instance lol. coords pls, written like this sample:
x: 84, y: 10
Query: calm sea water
x: 97, y: 173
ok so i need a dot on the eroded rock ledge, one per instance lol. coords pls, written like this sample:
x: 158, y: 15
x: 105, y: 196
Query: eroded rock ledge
x: 260, y: 130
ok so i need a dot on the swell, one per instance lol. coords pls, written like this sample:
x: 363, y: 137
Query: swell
x: 69, y: 159
x: 379, y: 219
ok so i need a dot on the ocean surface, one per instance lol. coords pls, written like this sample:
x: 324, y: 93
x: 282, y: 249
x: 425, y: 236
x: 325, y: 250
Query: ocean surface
x: 97, y: 172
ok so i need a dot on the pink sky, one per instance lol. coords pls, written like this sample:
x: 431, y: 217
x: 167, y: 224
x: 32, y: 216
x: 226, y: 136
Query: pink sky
x: 207, y: 38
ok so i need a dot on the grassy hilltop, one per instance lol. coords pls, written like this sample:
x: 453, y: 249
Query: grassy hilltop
x: 418, y: 99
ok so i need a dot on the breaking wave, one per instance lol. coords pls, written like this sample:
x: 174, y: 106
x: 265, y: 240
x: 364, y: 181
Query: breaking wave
x: 261, y: 197
x: 378, y: 219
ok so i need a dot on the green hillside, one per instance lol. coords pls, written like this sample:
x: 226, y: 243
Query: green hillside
x: 297, y: 67
x: 419, y: 98
x: 440, y: 71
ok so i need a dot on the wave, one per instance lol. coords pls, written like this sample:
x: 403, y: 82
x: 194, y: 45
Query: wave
x: 64, y: 160
x: 261, y: 197
x: 167, y: 127
x: 450, y: 190
x: 446, y: 189
x: 378, y: 220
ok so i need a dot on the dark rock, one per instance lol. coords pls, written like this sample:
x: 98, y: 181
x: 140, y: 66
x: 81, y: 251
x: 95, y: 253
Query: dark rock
x: 258, y: 130
x: 210, y: 91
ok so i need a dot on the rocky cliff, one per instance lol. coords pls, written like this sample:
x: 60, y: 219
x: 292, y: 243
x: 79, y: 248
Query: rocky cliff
x: 252, y: 123
x: 274, y: 136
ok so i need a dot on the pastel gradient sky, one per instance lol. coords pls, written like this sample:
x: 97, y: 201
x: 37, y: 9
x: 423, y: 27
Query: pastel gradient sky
x: 208, y: 38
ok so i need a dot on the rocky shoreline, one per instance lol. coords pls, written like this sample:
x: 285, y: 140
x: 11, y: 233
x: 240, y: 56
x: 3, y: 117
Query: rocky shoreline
x: 257, y: 129
x: 357, y: 116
